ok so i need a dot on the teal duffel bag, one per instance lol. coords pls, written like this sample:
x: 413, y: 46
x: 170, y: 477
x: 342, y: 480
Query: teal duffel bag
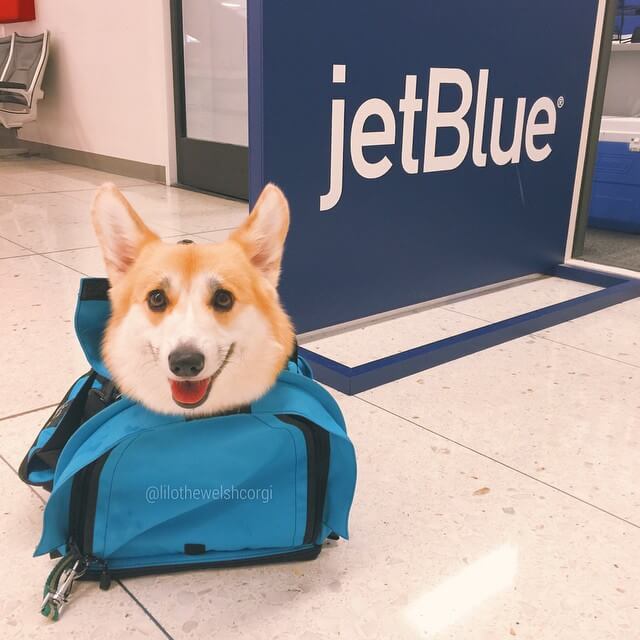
x: 136, y: 492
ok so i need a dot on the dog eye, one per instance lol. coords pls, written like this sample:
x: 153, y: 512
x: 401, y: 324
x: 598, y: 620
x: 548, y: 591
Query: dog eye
x: 157, y: 300
x: 222, y: 300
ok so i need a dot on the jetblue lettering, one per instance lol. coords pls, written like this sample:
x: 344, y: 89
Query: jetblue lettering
x: 528, y: 127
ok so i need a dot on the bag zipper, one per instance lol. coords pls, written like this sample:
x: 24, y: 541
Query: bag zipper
x: 317, y: 441
x: 79, y: 557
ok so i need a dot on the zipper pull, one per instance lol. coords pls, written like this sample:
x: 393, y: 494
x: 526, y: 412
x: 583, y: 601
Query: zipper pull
x: 57, y: 588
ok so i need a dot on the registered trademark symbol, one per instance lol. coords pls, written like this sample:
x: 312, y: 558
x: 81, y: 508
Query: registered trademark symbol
x: 560, y: 102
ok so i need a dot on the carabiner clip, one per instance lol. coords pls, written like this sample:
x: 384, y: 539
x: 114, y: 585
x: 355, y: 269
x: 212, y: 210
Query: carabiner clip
x: 57, y: 589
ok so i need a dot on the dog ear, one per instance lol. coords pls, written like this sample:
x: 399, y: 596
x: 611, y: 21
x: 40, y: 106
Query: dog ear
x: 121, y: 233
x: 263, y: 233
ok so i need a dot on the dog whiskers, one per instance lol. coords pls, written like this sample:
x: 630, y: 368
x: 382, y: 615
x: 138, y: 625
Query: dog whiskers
x: 148, y: 364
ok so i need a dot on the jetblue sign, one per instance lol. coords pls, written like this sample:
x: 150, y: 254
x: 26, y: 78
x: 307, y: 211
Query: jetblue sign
x: 427, y: 147
x: 540, y: 120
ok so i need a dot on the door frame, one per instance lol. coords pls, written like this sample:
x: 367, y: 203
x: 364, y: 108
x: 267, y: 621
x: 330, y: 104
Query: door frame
x: 591, y: 133
x: 201, y: 164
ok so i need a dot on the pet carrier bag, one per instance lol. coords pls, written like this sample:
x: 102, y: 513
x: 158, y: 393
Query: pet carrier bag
x: 135, y: 492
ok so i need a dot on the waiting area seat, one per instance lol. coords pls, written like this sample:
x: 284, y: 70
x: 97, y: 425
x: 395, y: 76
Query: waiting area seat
x: 21, y: 78
x: 5, y: 52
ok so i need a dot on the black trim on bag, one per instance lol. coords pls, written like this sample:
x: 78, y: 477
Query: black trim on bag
x: 92, y: 501
x: 194, y: 549
x: 310, y: 553
x: 244, y: 409
x: 294, y: 353
x: 317, y: 440
x: 94, y: 289
x: 100, y: 398
x: 59, y: 442
x: 69, y: 424
x: 75, y: 412
x: 83, y: 504
x: 23, y: 471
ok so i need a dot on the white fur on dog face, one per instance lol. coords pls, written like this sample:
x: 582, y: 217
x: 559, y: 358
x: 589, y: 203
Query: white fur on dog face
x: 139, y: 352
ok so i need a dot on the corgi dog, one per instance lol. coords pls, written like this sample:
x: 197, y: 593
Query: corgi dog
x: 195, y: 329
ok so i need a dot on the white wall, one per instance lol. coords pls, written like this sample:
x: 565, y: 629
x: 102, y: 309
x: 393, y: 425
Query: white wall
x: 108, y: 86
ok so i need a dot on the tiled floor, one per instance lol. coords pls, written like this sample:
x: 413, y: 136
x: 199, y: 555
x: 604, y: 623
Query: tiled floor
x: 498, y: 495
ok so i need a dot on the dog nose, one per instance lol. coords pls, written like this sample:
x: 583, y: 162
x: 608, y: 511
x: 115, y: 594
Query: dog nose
x: 186, y: 363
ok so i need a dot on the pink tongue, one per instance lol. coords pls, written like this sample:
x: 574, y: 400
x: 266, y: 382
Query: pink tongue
x: 188, y: 392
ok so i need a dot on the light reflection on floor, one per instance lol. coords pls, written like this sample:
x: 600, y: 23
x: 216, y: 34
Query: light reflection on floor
x: 454, y: 599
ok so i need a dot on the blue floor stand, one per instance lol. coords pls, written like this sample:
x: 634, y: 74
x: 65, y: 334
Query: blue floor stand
x: 352, y: 380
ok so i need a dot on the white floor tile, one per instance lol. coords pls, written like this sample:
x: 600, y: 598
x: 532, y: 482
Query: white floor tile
x: 612, y: 332
x: 11, y: 186
x: 49, y: 175
x: 89, y: 261
x: 567, y: 417
x: 74, y: 180
x: 521, y: 298
x: 10, y: 250
x: 94, y: 177
x: 51, y: 222
x: 215, y: 236
x: 91, y: 614
x: 21, y: 164
x: 180, y: 209
x: 17, y: 434
x: 432, y: 554
x: 358, y: 346
x: 37, y: 340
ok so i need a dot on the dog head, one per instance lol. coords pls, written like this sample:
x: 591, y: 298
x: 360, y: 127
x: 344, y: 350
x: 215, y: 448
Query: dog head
x: 195, y: 329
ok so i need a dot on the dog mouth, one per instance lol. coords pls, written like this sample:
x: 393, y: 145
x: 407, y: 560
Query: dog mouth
x: 191, y: 394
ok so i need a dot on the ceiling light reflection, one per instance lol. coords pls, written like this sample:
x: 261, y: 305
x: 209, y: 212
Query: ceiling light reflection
x: 457, y: 596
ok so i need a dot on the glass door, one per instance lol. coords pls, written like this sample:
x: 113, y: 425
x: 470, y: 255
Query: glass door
x: 608, y: 225
x: 209, y: 40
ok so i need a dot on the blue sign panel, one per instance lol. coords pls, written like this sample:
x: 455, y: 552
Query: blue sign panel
x: 426, y: 147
